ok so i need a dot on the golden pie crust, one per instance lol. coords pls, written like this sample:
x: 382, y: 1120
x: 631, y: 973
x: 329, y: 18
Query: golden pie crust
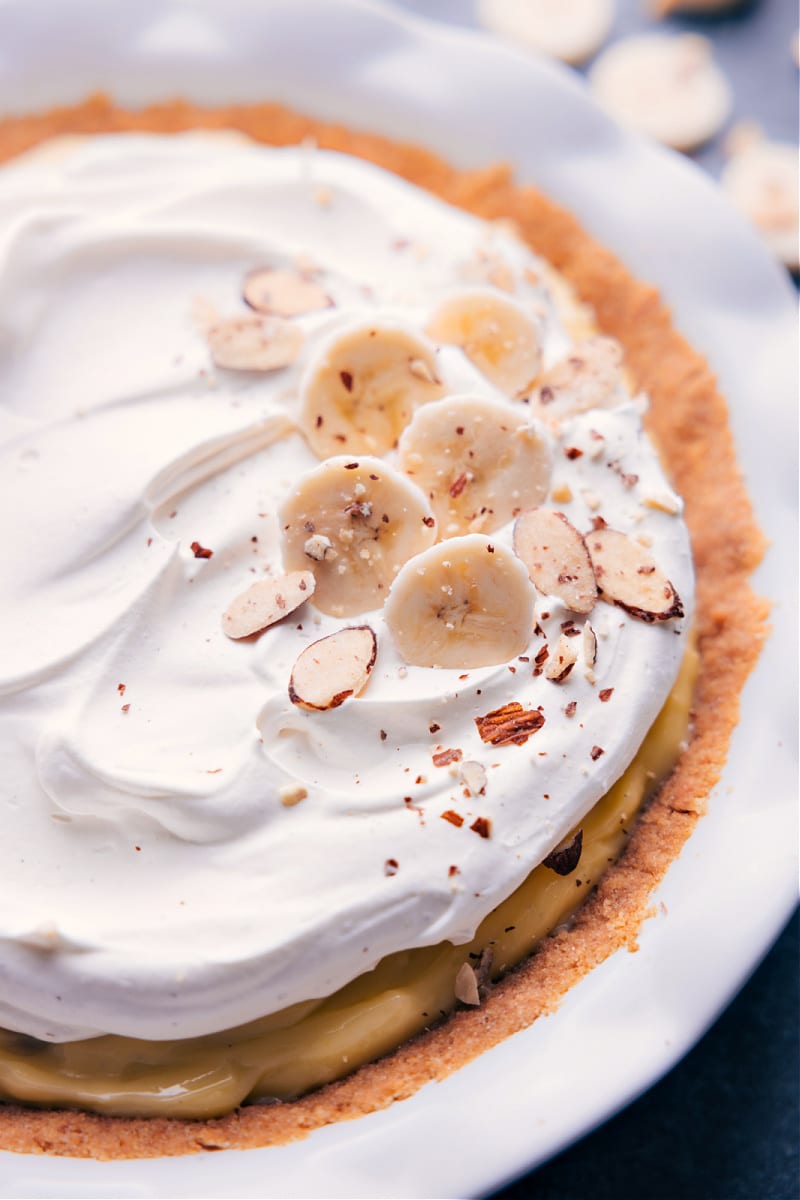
x: 688, y: 419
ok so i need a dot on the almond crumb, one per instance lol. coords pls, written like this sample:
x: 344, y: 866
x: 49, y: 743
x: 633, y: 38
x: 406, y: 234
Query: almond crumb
x: 291, y: 794
x: 466, y: 986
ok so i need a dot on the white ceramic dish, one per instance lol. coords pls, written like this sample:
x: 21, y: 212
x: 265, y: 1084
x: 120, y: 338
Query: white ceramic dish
x: 475, y: 102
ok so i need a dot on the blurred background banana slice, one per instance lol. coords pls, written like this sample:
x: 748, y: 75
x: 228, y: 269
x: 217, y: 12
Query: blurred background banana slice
x: 364, y: 387
x: 495, y: 333
x: 354, y: 522
x: 665, y: 86
x: 572, y: 30
x: 761, y: 179
x: 478, y: 461
x: 464, y: 603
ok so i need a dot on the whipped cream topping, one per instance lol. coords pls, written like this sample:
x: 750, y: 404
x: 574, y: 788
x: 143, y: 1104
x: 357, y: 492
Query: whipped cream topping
x: 155, y: 882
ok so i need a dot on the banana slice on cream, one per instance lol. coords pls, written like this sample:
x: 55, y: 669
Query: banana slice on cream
x: 478, y: 461
x: 354, y: 522
x: 464, y: 603
x: 496, y: 334
x: 364, y: 388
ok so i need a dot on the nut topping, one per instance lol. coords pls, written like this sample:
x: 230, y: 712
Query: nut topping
x: 556, y: 557
x: 331, y: 670
x: 266, y: 602
x: 254, y: 343
x: 628, y: 576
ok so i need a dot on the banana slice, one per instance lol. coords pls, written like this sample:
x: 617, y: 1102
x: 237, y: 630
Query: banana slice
x: 478, y: 462
x: 762, y: 181
x: 571, y: 30
x: 667, y: 87
x: 364, y: 388
x: 354, y: 522
x: 464, y: 603
x: 589, y: 377
x: 495, y: 333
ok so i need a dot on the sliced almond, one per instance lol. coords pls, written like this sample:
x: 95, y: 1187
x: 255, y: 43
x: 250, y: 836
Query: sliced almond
x: 589, y: 377
x: 589, y: 645
x: 473, y: 776
x: 567, y: 854
x: 629, y: 577
x: 254, y: 343
x: 466, y: 986
x: 283, y: 293
x: 556, y: 557
x: 561, y: 663
x: 267, y: 602
x: 331, y: 670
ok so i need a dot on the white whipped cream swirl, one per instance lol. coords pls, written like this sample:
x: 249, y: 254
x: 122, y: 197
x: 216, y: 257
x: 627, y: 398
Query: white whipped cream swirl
x: 152, y: 882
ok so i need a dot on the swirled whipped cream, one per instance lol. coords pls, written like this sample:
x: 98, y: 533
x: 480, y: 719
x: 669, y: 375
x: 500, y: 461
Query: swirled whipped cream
x: 184, y: 846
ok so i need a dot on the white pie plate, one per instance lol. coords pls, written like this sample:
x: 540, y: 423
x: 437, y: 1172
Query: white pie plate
x: 735, y: 884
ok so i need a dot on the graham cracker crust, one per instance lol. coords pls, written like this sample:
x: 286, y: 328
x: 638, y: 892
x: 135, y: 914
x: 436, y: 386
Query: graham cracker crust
x: 688, y: 418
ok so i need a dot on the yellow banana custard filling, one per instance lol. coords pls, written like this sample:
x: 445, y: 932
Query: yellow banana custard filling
x: 346, y: 621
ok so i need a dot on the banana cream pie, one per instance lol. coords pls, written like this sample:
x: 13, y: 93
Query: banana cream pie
x: 347, y: 611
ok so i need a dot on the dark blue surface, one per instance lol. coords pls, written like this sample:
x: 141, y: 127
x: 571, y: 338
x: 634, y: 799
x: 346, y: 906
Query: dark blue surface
x: 724, y: 1124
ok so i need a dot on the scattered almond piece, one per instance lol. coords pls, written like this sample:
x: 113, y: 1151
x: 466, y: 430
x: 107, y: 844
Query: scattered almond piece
x: 628, y: 576
x: 510, y: 725
x: 556, y: 558
x: 561, y: 663
x: 466, y: 986
x: 266, y: 602
x: 254, y: 343
x: 291, y: 794
x: 473, y: 776
x: 283, y: 293
x: 664, y: 502
x: 319, y: 547
x: 589, y: 645
x: 334, y: 668
x: 567, y: 854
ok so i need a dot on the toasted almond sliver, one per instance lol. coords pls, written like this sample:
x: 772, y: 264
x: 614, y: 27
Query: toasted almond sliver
x: 466, y: 986
x: 283, y: 293
x: 566, y: 855
x: 589, y: 645
x: 266, y: 602
x: 333, y: 669
x: 556, y: 557
x: 473, y: 776
x: 254, y: 343
x: 561, y: 663
x: 589, y: 377
x: 628, y: 576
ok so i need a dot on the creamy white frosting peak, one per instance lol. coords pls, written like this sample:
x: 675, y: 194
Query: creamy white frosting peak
x: 152, y: 882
